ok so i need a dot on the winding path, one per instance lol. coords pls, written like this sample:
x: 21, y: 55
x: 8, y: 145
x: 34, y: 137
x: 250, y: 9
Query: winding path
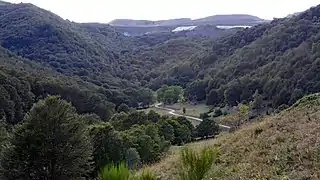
x: 173, y: 112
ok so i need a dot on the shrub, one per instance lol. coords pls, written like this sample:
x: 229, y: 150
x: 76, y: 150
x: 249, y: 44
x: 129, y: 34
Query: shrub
x: 115, y: 172
x: 122, y: 172
x: 195, y: 166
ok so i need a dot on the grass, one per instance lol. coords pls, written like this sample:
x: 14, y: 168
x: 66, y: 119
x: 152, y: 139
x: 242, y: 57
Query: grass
x: 159, y: 111
x: 122, y: 172
x: 191, y: 110
x: 195, y: 165
x: 282, y: 146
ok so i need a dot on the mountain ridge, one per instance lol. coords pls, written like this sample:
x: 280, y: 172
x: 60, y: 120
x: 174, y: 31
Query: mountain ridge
x: 223, y: 19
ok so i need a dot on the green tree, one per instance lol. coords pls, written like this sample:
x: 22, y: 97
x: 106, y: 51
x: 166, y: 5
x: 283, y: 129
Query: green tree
x: 153, y: 116
x: 166, y: 130
x: 107, y: 145
x: 257, y: 103
x: 4, y: 135
x: 132, y: 158
x: 217, y: 112
x: 213, y: 97
x: 145, y: 96
x: 242, y: 114
x: 51, y: 143
x: 207, y: 127
x: 169, y: 94
x: 183, y: 135
x: 123, y: 108
x: 146, y: 140
x: 196, y: 90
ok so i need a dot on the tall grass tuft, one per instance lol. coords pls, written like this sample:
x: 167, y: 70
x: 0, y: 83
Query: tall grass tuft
x: 145, y: 175
x: 115, y: 172
x: 196, y: 165
x: 122, y: 172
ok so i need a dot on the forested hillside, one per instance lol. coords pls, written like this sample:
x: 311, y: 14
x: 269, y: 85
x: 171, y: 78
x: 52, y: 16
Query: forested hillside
x: 279, y: 59
x: 74, y: 94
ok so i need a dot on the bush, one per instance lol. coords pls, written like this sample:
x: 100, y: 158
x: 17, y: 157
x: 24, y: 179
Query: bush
x: 217, y: 113
x: 133, y: 158
x: 122, y: 172
x: 195, y: 166
x: 115, y: 172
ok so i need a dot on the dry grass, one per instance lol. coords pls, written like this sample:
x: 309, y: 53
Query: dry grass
x: 286, y: 145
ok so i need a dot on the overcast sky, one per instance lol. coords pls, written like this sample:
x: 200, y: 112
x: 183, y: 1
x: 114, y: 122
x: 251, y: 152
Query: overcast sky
x: 106, y: 10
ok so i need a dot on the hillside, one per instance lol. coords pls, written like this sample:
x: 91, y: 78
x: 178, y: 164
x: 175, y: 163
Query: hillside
x: 94, y: 52
x: 89, y: 52
x: 24, y: 82
x: 70, y: 48
x: 280, y: 59
x: 281, y: 146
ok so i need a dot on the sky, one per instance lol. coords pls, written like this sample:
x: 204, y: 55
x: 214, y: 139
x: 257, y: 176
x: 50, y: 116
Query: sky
x: 104, y: 11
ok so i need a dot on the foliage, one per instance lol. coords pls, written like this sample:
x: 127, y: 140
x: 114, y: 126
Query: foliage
x: 122, y: 172
x: 257, y: 103
x: 166, y: 130
x: 217, y: 112
x: 132, y: 158
x: 207, y: 127
x: 275, y: 145
x: 115, y: 172
x: 242, y: 113
x: 169, y: 94
x: 145, y: 96
x: 4, y: 135
x: 279, y: 59
x: 310, y: 100
x: 107, y: 145
x: 123, y: 108
x: 195, y: 166
x: 146, y: 140
x: 54, y: 133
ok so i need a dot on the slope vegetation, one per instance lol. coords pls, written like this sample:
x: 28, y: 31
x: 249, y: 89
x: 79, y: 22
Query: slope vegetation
x: 281, y: 146
x: 279, y: 59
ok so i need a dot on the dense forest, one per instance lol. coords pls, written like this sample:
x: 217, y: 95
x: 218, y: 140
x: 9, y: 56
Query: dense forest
x: 82, y: 84
x: 279, y: 59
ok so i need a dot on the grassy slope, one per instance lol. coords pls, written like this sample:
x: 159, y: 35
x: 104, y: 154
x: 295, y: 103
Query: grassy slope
x: 275, y: 147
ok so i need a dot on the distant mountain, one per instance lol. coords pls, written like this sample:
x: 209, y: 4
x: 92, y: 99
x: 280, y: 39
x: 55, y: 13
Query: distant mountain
x: 4, y: 3
x: 232, y: 19
x: 140, y: 27
x: 143, y: 23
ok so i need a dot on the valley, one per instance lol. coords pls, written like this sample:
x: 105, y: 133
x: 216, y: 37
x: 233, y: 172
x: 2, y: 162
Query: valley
x: 237, y: 94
